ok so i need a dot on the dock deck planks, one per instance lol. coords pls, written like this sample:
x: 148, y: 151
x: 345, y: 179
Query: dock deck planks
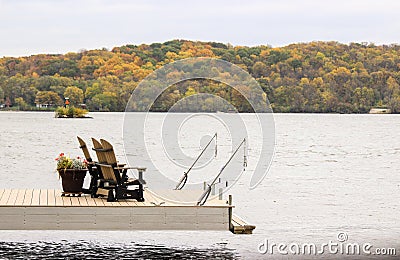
x: 13, y: 197
x: 27, y: 198
x: 4, y: 197
x: 51, y: 199
x: 36, y: 198
x: 20, y: 198
x: 46, y: 209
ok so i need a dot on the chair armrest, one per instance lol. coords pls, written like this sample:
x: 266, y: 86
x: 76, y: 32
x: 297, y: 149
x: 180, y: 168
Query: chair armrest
x: 141, y: 170
x: 104, y: 165
x: 130, y: 168
x: 92, y: 163
x: 102, y: 150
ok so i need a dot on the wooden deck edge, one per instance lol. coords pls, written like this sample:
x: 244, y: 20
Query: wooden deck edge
x: 115, y: 206
x: 239, y: 226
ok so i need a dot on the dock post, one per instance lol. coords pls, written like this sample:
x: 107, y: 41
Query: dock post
x: 204, y: 185
x: 220, y: 193
x: 213, y: 189
x: 230, y: 213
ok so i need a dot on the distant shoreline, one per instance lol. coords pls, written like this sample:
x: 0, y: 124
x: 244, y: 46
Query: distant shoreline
x: 321, y: 76
x: 322, y: 113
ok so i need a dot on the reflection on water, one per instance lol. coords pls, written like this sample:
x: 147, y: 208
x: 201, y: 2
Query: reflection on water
x: 88, y: 250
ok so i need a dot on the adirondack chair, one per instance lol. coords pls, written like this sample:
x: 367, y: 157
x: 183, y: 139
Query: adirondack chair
x: 93, y: 171
x: 115, y: 183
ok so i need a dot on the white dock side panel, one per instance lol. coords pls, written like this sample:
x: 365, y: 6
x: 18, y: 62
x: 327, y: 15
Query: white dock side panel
x: 34, y: 209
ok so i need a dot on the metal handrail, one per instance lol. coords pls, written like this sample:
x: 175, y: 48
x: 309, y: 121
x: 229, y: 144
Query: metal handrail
x: 184, y: 178
x: 203, y: 198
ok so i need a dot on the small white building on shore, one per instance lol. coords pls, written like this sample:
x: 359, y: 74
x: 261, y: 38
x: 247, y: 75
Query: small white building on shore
x: 375, y: 110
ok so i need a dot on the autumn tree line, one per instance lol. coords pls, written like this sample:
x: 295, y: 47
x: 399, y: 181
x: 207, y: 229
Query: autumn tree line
x: 321, y: 77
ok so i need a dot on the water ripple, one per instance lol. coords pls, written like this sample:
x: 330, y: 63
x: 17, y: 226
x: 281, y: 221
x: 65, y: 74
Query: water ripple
x: 90, y: 250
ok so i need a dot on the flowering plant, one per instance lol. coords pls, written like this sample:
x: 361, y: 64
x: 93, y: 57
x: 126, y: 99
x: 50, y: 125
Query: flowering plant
x: 65, y: 162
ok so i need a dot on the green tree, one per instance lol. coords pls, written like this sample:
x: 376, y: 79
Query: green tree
x: 190, y: 91
x: 393, y: 95
x: 74, y: 94
x: 21, y: 103
x: 48, y: 97
x: 1, y: 95
x: 312, y: 95
x: 93, y: 90
x: 259, y: 69
x: 363, y: 99
x: 289, y: 99
x: 58, y: 89
x: 106, y: 101
x: 29, y: 94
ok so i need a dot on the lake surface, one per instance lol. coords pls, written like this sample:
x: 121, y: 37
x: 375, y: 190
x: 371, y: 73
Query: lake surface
x: 330, y: 174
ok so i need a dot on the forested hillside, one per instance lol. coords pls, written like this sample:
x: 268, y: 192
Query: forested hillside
x: 305, y: 77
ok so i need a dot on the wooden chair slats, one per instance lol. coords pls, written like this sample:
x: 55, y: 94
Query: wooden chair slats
x: 84, y: 148
x: 114, y: 177
x: 106, y: 170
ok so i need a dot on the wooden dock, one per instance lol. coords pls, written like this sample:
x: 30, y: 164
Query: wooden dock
x: 239, y: 226
x: 46, y: 209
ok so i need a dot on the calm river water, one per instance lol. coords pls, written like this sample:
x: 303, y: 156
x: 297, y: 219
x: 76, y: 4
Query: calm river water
x: 330, y: 174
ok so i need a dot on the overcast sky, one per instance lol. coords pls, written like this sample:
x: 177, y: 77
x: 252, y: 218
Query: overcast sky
x: 60, y: 26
